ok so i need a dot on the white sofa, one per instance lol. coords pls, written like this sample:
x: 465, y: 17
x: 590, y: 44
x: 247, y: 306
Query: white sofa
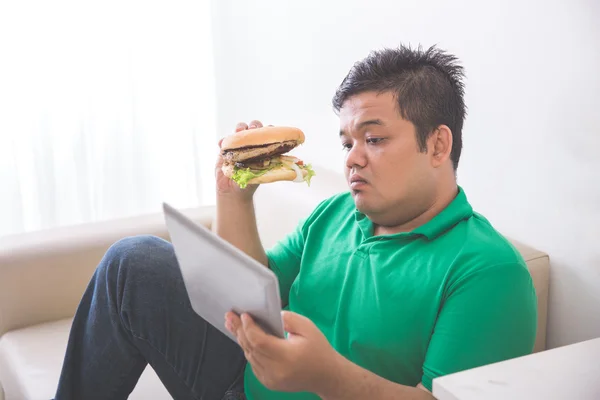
x: 43, y: 274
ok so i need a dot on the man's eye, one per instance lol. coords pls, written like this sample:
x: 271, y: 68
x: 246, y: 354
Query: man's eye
x: 346, y: 146
x: 374, y: 140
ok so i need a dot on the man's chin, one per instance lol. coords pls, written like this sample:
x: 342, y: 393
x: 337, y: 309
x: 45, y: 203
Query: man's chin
x: 361, y: 202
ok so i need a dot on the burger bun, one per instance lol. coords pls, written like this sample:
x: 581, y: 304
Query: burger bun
x: 262, y: 136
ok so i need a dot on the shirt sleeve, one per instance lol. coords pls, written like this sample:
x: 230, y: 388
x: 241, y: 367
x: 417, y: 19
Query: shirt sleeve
x: 488, y: 316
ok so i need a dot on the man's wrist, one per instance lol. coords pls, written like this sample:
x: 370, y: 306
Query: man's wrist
x: 348, y: 381
x: 335, y: 383
x: 234, y: 200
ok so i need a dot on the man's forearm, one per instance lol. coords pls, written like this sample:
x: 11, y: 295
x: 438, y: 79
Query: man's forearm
x: 350, y: 381
x: 236, y: 223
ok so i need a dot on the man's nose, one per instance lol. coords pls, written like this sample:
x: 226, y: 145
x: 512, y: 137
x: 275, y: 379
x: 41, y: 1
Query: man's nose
x: 356, y: 157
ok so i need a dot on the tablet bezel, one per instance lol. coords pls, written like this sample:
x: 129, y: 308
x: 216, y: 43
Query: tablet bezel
x: 269, y: 319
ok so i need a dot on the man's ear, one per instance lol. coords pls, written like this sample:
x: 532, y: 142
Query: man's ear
x: 439, y: 145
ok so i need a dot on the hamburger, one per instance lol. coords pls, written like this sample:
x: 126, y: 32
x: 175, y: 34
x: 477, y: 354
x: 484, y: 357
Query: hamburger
x: 256, y: 156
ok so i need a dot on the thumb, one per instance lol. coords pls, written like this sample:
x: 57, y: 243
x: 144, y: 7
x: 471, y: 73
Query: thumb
x: 295, y: 323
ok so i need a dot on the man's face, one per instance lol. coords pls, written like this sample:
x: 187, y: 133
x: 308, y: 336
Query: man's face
x: 389, y: 177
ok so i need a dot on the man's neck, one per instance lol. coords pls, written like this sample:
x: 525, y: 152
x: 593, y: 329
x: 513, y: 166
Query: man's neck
x: 440, y: 202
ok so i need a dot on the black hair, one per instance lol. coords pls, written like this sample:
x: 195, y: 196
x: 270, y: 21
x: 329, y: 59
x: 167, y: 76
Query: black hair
x: 427, y: 84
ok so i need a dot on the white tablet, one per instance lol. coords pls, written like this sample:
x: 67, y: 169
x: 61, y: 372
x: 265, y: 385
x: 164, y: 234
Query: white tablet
x: 219, y: 277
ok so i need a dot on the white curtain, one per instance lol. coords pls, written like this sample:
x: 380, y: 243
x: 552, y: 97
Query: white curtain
x: 107, y: 109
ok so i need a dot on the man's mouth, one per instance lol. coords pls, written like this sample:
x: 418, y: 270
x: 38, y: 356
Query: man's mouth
x: 357, y: 182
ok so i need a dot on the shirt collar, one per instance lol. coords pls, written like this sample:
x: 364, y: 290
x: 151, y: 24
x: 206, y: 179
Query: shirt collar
x: 458, y: 210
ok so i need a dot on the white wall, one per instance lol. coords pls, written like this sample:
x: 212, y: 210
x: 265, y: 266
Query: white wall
x: 531, y: 160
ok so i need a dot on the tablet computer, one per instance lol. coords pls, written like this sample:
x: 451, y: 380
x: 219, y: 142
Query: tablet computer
x: 219, y: 277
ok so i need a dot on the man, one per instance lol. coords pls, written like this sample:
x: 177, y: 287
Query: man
x: 386, y: 287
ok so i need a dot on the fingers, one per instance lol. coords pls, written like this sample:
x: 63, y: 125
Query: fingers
x: 295, y: 323
x: 254, y: 334
x: 230, y: 320
x: 255, y: 124
x: 259, y: 341
x: 235, y: 325
x: 251, y: 337
x: 242, y: 126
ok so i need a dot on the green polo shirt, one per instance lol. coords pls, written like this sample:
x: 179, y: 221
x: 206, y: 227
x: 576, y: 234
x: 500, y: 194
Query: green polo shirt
x: 451, y: 295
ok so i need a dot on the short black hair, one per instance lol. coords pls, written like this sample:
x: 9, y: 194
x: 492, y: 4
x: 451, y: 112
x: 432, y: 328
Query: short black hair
x: 428, y: 85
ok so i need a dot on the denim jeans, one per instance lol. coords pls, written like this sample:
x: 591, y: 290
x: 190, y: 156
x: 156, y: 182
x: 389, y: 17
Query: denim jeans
x: 135, y: 312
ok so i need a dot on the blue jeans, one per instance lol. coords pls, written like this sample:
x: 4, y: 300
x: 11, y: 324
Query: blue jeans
x: 135, y: 312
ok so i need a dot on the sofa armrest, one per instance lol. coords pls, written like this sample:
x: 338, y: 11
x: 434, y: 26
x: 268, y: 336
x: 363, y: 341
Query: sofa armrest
x: 44, y: 274
x: 538, y: 264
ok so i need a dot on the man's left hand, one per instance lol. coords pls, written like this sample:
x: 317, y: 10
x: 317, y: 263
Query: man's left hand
x: 303, y: 362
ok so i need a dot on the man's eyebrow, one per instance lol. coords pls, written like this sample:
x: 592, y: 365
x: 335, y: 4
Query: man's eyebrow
x: 364, y: 124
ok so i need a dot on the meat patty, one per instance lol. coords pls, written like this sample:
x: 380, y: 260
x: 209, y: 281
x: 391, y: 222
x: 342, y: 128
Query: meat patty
x: 264, y: 163
x: 253, y: 153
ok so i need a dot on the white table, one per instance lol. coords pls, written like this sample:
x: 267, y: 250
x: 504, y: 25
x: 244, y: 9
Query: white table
x: 569, y: 372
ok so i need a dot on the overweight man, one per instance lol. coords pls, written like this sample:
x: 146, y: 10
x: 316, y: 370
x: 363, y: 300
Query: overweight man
x: 385, y: 287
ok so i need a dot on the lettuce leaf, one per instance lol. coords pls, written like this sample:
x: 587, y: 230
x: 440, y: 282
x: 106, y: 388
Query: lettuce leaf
x: 243, y: 176
x: 311, y: 173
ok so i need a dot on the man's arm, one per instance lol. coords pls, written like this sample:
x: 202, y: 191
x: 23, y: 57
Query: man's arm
x: 354, y: 382
x: 305, y: 361
x: 489, y: 316
x: 236, y: 223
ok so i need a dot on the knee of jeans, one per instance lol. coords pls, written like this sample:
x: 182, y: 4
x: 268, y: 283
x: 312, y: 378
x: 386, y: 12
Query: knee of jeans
x: 143, y: 254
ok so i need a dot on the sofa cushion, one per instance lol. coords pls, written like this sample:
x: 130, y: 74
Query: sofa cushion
x: 31, y: 361
x: 44, y: 273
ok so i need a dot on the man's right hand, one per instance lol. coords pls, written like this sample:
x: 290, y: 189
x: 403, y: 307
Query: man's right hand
x: 227, y: 187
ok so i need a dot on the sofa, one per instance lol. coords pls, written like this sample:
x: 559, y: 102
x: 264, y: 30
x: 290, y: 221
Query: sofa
x: 43, y: 275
